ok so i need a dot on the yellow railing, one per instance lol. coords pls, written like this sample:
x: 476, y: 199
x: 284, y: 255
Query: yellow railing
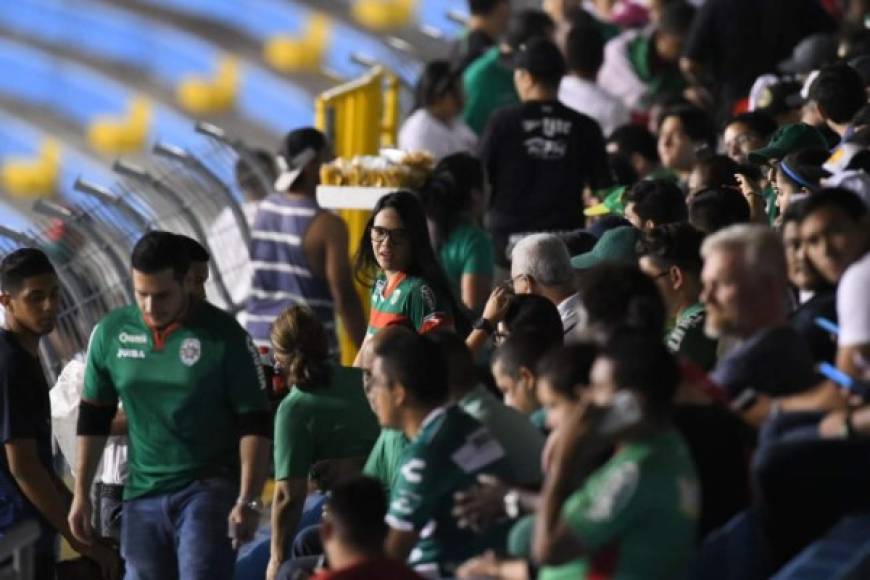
x: 359, y: 117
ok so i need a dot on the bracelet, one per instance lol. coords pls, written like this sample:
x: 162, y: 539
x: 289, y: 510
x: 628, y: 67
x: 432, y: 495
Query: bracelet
x: 253, y: 504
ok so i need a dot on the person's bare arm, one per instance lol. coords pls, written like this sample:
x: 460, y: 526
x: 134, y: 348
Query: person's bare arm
x: 287, y: 506
x: 38, y: 485
x: 475, y: 289
x: 119, y: 423
x: 331, y: 235
x: 493, y: 311
x: 399, y: 543
x: 850, y: 359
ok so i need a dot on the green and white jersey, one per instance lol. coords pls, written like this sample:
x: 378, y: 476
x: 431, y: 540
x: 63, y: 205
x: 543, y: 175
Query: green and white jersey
x: 687, y: 338
x: 636, y: 515
x: 182, y: 390
x: 447, y: 455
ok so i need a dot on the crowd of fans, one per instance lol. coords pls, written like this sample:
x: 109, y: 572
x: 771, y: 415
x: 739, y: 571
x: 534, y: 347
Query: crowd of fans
x: 626, y: 316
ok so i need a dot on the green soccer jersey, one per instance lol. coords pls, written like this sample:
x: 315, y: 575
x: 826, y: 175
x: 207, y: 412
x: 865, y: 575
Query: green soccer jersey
x: 407, y: 300
x: 447, y: 455
x: 468, y: 250
x: 688, y: 339
x: 636, y: 515
x: 182, y: 390
x: 385, y: 457
x: 489, y: 86
x: 331, y: 422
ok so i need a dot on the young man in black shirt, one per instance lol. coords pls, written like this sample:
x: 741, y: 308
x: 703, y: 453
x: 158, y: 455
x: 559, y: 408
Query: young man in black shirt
x: 539, y: 155
x: 29, y: 487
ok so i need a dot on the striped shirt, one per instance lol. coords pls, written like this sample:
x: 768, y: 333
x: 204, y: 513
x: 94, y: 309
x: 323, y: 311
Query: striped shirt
x: 281, y: 273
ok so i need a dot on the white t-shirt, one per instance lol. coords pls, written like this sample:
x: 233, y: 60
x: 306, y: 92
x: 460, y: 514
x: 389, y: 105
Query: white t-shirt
x: 853, y: 304
x: 423, y: 132
x: 588, y: 98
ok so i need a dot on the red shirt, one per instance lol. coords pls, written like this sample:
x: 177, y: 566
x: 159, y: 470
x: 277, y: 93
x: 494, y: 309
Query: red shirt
x: 379, y: 569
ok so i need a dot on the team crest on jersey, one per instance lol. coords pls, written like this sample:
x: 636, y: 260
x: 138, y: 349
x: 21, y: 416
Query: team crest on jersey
x: 190, y: 351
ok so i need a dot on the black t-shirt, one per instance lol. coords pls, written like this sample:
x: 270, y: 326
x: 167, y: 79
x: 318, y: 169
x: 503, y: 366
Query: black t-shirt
x: 820, y: 341
x: 775, y: 362
x: 739, y: 40
x: 468, y: 48
x: 720, y: 444
x: 539, y: 156
x: 25, y: 413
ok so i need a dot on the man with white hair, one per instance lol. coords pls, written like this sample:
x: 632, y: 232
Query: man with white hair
x: 745, y: 290
x: 540, y: 265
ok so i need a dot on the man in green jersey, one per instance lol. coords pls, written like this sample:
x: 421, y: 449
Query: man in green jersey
x: 671, y: 255
x: 194, y: 396
x: 448, y: 449
x: 635, y: 516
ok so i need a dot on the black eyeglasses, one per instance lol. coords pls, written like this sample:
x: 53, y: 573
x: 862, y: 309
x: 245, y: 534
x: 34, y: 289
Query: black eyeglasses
x: 396, y: 235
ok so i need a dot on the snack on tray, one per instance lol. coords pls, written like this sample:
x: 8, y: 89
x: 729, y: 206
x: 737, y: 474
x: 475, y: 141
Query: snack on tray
x: 392, y: 168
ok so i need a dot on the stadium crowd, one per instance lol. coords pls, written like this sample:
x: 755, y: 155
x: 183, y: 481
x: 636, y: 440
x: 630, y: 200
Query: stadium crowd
x: 624, y: 323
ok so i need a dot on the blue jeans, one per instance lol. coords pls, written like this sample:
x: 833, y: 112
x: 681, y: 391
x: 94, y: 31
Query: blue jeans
x: 181, y: 535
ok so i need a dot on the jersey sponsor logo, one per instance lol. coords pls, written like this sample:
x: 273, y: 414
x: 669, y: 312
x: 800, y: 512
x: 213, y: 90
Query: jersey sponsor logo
x: 614, y: 493
x: 133, y: 338
x: 412, y: 471
x: 190, y: 351
x: 395, y: 297
x: 134, y: 353
x: 480, y: 450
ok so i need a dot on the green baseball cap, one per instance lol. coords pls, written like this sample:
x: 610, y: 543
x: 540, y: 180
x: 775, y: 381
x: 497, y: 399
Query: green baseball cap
x: 611, y: 204
x: 789, y: 139
x: 616, y: 245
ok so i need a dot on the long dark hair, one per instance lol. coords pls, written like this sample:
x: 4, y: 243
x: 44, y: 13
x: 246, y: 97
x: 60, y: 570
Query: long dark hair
x: 423, y: 262
x: 437, y: 81
x: 446, y: 195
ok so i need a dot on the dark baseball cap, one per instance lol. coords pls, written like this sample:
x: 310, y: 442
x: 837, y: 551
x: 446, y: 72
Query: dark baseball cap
x: 540, y: 57
x: 526, y: 25
x: 780, y: 97
x: 789, y: 139
x: 811, y: 53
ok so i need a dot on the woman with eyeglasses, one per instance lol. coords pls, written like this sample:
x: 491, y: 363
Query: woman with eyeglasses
x: 324, y: 427
x: 396, y: 259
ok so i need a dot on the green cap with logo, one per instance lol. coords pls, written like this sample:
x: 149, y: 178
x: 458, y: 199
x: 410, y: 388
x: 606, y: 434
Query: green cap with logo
x: 616, y: 245
x: 789, y: 139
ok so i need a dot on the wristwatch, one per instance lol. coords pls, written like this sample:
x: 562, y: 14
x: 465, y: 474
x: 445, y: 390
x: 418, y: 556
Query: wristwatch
x: 253, y: 504
x: 512, y: 504
x: 484, y: 325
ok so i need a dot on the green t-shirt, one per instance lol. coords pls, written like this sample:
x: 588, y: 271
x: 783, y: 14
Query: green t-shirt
x: 636, y: 515
x: 407, y: 299
x: 182, y: 392
x: 386, y: 456
x: 489, y: 86
x: 687, y: 338
x: 468, y: 250
x: 332, y: 422
x: 447, y: 455
x: 661, y: 84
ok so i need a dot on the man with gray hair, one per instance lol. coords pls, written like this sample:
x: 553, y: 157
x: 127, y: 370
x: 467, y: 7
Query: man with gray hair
x: 745, y: 294
x: 540, y: 265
